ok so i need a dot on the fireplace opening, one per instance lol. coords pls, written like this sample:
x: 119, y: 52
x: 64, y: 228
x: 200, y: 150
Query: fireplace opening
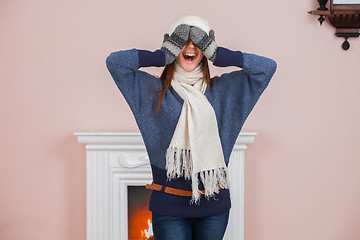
x: 139, y: 217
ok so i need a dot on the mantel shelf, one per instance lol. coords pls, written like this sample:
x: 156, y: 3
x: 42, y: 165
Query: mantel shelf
x: 115, y: 137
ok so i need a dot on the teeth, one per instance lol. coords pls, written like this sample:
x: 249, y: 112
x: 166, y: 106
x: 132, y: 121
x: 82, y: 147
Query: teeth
x: 190, y: 54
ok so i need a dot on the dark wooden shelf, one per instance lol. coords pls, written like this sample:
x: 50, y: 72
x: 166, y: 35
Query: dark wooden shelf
x: 335, y: 12
x: 346, y: 22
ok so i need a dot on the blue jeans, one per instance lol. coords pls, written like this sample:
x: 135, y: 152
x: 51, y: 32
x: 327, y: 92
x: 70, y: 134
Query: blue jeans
x: 177, y: 228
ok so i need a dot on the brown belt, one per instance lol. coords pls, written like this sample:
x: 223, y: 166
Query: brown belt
x: 173, y: 191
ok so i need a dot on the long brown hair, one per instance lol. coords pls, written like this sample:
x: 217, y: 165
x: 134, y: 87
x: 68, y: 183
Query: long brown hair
x: 167, y: 76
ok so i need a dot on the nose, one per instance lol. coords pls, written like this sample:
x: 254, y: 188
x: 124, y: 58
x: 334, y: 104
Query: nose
x: 190, y: 44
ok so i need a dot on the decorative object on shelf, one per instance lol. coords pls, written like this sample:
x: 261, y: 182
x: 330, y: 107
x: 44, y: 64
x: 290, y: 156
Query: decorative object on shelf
x: 322, y: 7
x: 344, y: 15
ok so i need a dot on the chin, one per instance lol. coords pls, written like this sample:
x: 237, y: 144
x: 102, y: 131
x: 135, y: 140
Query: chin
x: 188, y: 68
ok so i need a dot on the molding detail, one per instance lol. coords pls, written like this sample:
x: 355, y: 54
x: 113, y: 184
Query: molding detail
x: 116, y: 160
x: 132, y: 163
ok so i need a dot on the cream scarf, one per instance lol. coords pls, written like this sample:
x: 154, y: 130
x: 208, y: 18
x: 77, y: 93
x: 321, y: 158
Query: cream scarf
x: 195, y: 150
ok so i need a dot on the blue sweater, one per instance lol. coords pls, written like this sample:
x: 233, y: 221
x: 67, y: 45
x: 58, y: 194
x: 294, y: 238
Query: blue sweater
x: 232, y: 95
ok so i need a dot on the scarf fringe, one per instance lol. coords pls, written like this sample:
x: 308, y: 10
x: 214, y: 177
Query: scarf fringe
x: 213, y: 180
x: 179, y: 164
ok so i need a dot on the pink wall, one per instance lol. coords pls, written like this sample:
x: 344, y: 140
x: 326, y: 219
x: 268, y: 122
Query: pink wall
x: 302, y: 172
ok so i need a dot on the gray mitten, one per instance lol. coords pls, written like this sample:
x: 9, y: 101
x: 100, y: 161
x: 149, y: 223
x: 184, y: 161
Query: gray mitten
x: 173, y: 44
x: 206, y: 43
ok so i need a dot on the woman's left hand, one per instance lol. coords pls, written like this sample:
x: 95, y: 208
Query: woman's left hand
x: 206, y: 42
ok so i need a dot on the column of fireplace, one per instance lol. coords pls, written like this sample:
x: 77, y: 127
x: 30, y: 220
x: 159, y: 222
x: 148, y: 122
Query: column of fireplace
x: 116, y: 160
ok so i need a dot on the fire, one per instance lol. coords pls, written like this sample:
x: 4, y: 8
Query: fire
x: 148, y: 233
x: 139, y: 216
x: 140, y: 226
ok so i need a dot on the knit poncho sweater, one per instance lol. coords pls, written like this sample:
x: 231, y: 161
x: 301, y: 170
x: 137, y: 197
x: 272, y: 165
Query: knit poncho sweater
x: 232, y: 95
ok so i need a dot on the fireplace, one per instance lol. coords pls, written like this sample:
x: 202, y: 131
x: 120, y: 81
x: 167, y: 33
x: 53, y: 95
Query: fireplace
x: 117, y: 169
x: 139, y: 216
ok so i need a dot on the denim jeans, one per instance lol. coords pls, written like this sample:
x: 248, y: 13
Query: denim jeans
x: 177, y: 228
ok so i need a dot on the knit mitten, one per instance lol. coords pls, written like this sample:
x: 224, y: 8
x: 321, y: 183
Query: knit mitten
x: 173, y: 44
x: 206, y: 43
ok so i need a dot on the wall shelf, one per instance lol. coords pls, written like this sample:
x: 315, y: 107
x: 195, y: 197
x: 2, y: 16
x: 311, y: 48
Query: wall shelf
x: 345, y: 18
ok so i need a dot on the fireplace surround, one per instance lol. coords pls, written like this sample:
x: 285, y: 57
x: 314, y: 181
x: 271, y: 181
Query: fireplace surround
x: 116, y: 160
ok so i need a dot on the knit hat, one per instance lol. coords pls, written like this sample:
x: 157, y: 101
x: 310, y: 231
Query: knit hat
x: 191, y: 20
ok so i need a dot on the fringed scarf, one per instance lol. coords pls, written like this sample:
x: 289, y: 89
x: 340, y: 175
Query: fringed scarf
x: 195, y: 151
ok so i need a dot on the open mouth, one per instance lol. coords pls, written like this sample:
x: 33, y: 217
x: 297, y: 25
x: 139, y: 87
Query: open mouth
x: 189, y: 57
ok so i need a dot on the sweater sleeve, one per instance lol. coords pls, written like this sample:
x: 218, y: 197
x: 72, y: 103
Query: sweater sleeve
x: 257, y: 73
x: 225, y: 58
x: 237, y: 92
x: 133, y: 83
x: 251, y: 81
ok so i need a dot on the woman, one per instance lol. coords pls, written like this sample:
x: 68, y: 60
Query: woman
x: 189, y: 123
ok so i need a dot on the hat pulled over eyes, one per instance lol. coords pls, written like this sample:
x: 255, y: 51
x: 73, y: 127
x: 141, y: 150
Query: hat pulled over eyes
x: 191, y: 20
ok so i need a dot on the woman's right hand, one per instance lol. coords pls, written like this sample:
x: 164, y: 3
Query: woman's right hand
x: 173, y: 44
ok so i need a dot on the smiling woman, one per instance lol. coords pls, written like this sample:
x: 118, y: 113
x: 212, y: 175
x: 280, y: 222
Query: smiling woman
x: 190, y: 137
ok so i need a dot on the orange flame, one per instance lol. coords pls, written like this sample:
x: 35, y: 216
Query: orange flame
x: 147, y: 233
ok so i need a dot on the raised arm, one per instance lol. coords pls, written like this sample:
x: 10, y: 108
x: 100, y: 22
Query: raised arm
x: 132, y: 82
x: 259, y: 69
x: 238, y: 91
x: 124, y: 66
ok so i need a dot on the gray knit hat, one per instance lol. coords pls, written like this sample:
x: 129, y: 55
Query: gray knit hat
x: 191, y: 20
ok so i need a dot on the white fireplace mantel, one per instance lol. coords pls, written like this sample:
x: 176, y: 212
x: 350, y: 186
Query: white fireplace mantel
x: 115, y: 160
